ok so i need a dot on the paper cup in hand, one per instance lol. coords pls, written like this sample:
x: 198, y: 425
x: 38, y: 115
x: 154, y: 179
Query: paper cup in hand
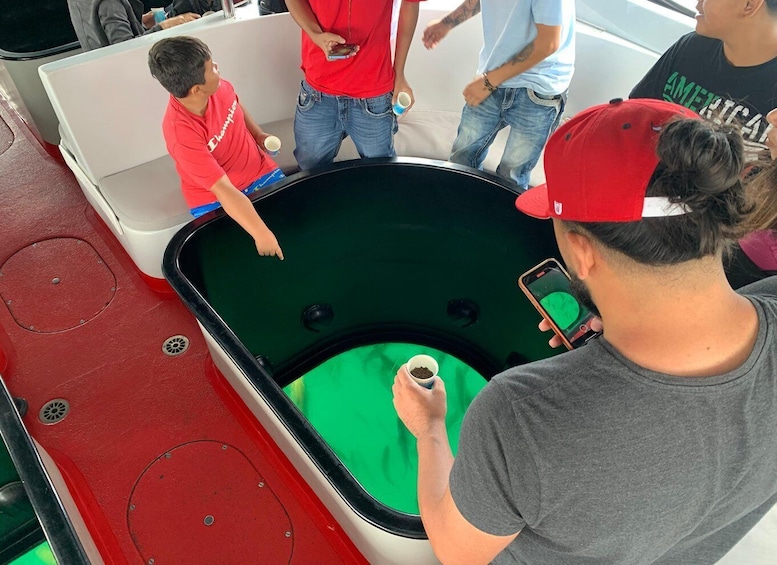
x: 272, y: 145
x: 422, y: 365
x: 403, y: 103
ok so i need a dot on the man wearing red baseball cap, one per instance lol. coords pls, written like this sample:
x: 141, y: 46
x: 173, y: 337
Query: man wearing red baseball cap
x: 656, y: 442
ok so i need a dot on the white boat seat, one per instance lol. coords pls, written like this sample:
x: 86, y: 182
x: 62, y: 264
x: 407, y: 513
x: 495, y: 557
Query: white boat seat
x: 148, y: 197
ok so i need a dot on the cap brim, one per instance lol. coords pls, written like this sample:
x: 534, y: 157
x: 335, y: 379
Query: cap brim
x: 534, y: 202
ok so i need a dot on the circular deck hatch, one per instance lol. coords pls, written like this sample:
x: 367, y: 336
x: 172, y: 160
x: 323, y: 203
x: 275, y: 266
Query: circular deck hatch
x: 56, y: 284
x: 203, y: 502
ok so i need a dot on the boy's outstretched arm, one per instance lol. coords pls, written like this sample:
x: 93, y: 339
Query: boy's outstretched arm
x: 239, y: 208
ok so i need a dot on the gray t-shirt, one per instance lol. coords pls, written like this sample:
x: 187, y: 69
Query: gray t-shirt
x: 597, y: 460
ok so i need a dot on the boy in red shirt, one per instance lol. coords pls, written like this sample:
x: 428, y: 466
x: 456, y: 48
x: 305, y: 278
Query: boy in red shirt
x: 354, y: 95
x: 212, y: 139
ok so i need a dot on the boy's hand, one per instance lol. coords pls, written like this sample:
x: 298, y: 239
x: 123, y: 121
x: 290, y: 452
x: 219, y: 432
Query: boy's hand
x: 259, y: 138
x: 476, y: 92
x: 326, y: 41
x: 434, y: 33
x: 267, y: 245
x: 401, y: 85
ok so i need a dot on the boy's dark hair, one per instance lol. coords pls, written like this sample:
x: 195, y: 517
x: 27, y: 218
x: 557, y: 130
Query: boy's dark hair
x: 700, y: 166
x: 178, y: 63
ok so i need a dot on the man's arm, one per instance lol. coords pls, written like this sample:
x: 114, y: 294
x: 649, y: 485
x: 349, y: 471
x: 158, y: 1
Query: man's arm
x: 302, y: 13
x: 408, y: 19
x: 543, y: 46
x: 546, y: 43
x: 438, y: 29
x: 239, y: 208
x: 113, y: 19
x: 454, y: 540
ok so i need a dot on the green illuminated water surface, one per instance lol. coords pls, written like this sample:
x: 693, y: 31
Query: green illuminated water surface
x: 348, y: 401
x: 40, y: 555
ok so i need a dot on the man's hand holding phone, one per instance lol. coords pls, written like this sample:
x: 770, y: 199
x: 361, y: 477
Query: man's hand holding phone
x: 548, y: 288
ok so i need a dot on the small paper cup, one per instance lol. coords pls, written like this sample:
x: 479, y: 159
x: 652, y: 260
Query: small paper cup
x: 426, y: 361
x: 272, y: 145
x: 402, y: 103
x: 159, y: 15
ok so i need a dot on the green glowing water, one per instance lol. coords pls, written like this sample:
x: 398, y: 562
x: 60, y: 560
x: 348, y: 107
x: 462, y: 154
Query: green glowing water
x: 348, y: 401
x: 40, y: 555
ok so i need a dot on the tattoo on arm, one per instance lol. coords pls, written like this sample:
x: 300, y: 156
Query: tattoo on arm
x: 461, y: 14
x: 524, y: 54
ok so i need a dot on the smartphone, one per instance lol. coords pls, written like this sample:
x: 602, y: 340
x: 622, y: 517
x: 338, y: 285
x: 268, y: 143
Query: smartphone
x: 547, y: 286
x: 342, y: 51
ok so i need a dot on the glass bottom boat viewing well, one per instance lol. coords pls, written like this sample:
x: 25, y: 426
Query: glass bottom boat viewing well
x: 385, y: 259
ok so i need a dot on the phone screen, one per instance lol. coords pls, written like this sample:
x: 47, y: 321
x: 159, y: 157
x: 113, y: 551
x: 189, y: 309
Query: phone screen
x: 548, y: 285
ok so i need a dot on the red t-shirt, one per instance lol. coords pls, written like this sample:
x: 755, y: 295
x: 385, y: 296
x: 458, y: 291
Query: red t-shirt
x: 368, y: 73
x: 206, y: 147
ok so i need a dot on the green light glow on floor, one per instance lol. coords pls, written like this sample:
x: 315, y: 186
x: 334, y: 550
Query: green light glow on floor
x: 348, y: 401
x: 40, y: 555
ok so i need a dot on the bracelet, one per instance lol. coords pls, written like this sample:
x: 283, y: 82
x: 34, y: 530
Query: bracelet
x: 487, y: 83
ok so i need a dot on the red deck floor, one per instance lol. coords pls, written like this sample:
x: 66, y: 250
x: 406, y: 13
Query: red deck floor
x: 153, y: 447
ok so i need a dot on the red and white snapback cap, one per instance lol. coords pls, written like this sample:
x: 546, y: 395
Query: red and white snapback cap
x: 598, y: 165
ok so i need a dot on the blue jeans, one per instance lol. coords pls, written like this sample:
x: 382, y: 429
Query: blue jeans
x: 322, y: 121
x: 531, y: 117
x: 263, y: 181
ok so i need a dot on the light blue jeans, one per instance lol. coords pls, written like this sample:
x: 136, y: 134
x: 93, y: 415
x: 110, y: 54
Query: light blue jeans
x: 322, y: 121
x: 531, y: 117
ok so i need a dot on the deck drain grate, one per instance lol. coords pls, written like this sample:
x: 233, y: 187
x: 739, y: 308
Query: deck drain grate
x: 54, y: 411
x: 175, y: 345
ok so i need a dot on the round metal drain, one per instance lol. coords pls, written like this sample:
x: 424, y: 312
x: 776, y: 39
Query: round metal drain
x: 175, y: 345
x: 54, y: 411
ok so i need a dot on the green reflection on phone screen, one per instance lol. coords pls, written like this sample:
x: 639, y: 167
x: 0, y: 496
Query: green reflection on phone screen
x: 562, y: 307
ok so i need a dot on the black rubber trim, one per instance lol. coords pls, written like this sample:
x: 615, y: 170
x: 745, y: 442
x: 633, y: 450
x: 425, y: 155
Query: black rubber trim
x: 367, y: 507
x: 56, y: 524
x: 32, y: 55
x: 30, y: 538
